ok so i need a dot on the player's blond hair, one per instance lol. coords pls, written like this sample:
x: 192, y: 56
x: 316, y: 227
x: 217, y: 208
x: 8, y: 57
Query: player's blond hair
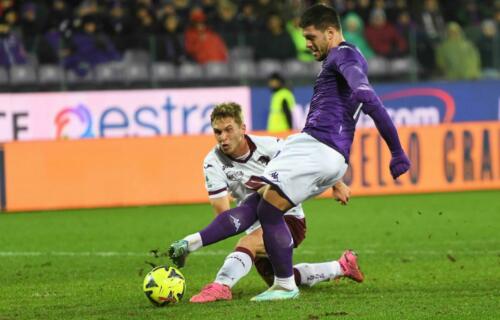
x: 227, y: 110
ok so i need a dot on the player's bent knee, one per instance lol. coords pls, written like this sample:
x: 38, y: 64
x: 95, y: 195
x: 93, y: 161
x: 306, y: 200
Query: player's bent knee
x: 273, y: 197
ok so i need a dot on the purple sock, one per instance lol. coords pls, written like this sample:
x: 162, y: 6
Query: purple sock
x: 277, y: 239
x: 232, y: 221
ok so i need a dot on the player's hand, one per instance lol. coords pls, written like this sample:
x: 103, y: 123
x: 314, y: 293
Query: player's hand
x: 341, y: 192
x: 399, y: 164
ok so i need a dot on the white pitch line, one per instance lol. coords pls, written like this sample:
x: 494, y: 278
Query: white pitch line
x: 224, y: 252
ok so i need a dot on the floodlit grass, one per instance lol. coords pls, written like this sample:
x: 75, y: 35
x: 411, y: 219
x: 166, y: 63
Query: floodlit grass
x: 425, y: 257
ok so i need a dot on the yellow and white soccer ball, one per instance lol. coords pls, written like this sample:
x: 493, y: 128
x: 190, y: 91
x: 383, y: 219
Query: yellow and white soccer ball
x: 164, y: 285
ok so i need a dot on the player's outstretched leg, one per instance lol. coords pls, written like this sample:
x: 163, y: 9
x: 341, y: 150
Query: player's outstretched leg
x: 350, y: 268
x: 225, y: 225
x: 309, y: 274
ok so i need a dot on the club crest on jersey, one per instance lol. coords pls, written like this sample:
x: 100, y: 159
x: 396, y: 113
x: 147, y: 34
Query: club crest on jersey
x: 275, y: 176
x: 234, y: 175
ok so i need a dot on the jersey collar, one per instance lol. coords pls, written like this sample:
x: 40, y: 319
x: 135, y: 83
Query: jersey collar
x: 251, y: 145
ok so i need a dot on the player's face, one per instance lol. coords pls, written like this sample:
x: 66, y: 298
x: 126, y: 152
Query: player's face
x: 318, y: 41
x: 229, y: 136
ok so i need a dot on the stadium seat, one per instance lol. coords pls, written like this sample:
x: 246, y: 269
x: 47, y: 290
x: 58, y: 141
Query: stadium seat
x: 23, y: 74
x: 267, y: 66
x: 216, y: 70
x: 50, y: 74
x: 109, y: 72
x: 298, y: 69
x: 163, y: 71
x: 377, y: 66
x: 243, y: 69
x: 190, y: 71
x: 137, y: 72
x: 73, y: 78
x: 401, y: 66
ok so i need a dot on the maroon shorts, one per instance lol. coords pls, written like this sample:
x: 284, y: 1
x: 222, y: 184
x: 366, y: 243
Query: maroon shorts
x: 297, y: 228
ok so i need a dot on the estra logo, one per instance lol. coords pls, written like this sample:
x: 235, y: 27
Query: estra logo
x: 114, y: 114
x: 74, y: 122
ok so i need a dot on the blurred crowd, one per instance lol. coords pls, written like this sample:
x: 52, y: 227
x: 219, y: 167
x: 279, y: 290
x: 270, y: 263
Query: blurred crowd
x: 455, y: 39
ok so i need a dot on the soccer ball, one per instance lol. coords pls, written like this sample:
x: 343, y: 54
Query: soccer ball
x: 164, y: 285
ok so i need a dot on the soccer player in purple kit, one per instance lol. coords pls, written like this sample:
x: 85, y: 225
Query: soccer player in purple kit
x: 313, y: 160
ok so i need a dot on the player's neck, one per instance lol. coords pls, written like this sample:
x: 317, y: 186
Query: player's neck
x: 337, y: 40
x: 243, y: 149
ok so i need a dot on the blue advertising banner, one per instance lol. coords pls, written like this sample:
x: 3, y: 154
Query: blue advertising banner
x: 408, y: 104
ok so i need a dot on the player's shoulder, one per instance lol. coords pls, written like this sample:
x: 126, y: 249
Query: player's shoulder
x: 264, y: 140
x: 346, y: 51
x: 266, y: 144
x: 211, y: 158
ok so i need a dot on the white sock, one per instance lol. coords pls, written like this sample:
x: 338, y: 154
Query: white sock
x: 312, y: 273
x: 285, y: 283
x: 194, y: 241
x: 236, y: 266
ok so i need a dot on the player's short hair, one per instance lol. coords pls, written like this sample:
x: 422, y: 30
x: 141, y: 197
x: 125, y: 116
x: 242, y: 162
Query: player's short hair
x: 225, y: 110
x: 321, y: 17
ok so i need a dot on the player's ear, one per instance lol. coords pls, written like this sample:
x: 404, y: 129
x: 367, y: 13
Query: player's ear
x: 243, y: 127
x: 330, y: 33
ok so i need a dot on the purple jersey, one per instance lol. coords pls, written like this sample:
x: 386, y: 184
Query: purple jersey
x: 331, y: 117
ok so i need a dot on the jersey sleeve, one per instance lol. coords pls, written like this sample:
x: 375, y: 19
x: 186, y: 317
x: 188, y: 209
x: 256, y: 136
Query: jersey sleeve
x: 215, y: 179
x: 352, y: 66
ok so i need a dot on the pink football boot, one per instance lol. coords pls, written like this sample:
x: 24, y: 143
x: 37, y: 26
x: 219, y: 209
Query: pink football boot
x: 349, y: 264
x: 212, y: 292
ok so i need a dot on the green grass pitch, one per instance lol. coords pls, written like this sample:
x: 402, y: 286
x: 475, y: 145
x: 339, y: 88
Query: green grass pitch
x: 424, y: 256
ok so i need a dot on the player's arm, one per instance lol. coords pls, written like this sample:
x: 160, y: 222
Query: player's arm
x: 220, y: 204
x: 217, y: 186
x: 363, y: 93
